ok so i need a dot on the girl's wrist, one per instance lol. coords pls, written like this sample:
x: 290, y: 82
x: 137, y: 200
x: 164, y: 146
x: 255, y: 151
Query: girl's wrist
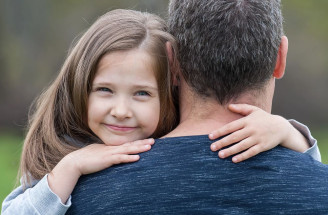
x: 63, y: 178
x: 295, y: 140
x: 285, y: 129
x: 70, y: 165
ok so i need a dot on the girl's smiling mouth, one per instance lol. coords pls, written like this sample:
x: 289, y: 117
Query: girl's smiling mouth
x: 120, y: 128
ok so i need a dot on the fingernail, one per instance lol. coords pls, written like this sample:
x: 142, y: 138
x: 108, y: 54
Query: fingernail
x: 232, y: 105
x: 221, y: 154
x: 235, y: 160
x: 147, y: 146
x: 211, y: 136
x: 213, y: 147
x: 135, y: 156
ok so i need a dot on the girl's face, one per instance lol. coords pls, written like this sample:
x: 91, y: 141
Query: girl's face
x: 124, y: 104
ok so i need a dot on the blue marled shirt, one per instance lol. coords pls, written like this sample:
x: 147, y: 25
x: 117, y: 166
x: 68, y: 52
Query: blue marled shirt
x: 182, y: 176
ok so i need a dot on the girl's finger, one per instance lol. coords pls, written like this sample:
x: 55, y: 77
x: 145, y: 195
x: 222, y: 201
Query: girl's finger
x: 232, y: 138
x: 121, y: 158
x: 251, y: 152
x: 239, y: 147
x: 149, y: 141
x: 243, y: 109
x: 227, y: 129
x: 104, y: 161
x: 128, y: 149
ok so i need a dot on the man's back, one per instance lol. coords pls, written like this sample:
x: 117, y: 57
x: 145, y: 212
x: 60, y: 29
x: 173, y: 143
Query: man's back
x: 183, y: 176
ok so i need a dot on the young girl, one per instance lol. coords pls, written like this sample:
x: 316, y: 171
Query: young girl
x: 114, y: 88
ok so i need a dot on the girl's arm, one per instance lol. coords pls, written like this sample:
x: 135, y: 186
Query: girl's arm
x: 36, y: 199
x: 260, y: 131
x: 92, y: 158
x: 51, y: 195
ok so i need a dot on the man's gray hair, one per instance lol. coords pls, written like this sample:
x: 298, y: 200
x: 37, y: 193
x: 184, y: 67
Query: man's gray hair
x: 226, y: 47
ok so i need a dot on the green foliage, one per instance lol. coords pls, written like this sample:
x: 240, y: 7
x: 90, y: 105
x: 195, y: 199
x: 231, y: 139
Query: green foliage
x: 321, y: 135
x: 10, y: 150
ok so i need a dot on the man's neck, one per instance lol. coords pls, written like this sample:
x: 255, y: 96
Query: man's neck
x: 200, y: 116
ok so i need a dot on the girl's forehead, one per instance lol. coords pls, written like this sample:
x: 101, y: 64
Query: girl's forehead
x: 125, y: 56
x: 126, y: 65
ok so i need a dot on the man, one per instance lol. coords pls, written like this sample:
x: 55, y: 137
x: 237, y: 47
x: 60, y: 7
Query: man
x: 230, y: 51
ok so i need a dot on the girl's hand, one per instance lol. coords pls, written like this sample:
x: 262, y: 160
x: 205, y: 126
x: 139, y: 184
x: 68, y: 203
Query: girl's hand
x: 92, y: 158
x: 96, y: 157
x: 258, y: 131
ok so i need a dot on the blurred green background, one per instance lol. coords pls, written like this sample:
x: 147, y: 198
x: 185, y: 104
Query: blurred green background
x: 35, y: 36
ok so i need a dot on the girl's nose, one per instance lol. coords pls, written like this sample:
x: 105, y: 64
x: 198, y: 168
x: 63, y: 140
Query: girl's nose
x: 121, y: 109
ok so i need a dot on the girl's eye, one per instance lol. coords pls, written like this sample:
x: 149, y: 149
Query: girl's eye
x: 104, y: 89
x: 142, y: 93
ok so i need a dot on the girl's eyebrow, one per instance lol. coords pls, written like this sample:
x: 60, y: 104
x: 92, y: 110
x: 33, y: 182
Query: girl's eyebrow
x: 138, y: 86
x: 141, y: 86
x: 101, y: 84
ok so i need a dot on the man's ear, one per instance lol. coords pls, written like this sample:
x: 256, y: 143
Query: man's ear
x: 173, y: 64
x: 279, y: 70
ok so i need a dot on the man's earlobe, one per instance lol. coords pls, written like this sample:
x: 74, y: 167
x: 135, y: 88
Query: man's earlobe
x: 279, y: 70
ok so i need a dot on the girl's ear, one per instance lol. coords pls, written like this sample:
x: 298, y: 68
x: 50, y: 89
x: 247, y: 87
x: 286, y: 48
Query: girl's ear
x: 279, y: 70
x: 174, y: 66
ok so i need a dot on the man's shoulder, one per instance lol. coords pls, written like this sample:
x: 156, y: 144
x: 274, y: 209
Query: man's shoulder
x: 182, y: 174
x: 202, y: 141
x: 279, y: 158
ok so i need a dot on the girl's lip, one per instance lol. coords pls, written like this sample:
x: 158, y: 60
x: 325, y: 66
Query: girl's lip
x: 120, y: 128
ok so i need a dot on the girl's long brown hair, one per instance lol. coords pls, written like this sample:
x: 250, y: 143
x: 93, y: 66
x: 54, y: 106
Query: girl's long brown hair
x: 59, y: 115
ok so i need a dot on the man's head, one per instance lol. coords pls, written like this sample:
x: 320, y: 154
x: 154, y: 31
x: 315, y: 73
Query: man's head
x: 227, y: 47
